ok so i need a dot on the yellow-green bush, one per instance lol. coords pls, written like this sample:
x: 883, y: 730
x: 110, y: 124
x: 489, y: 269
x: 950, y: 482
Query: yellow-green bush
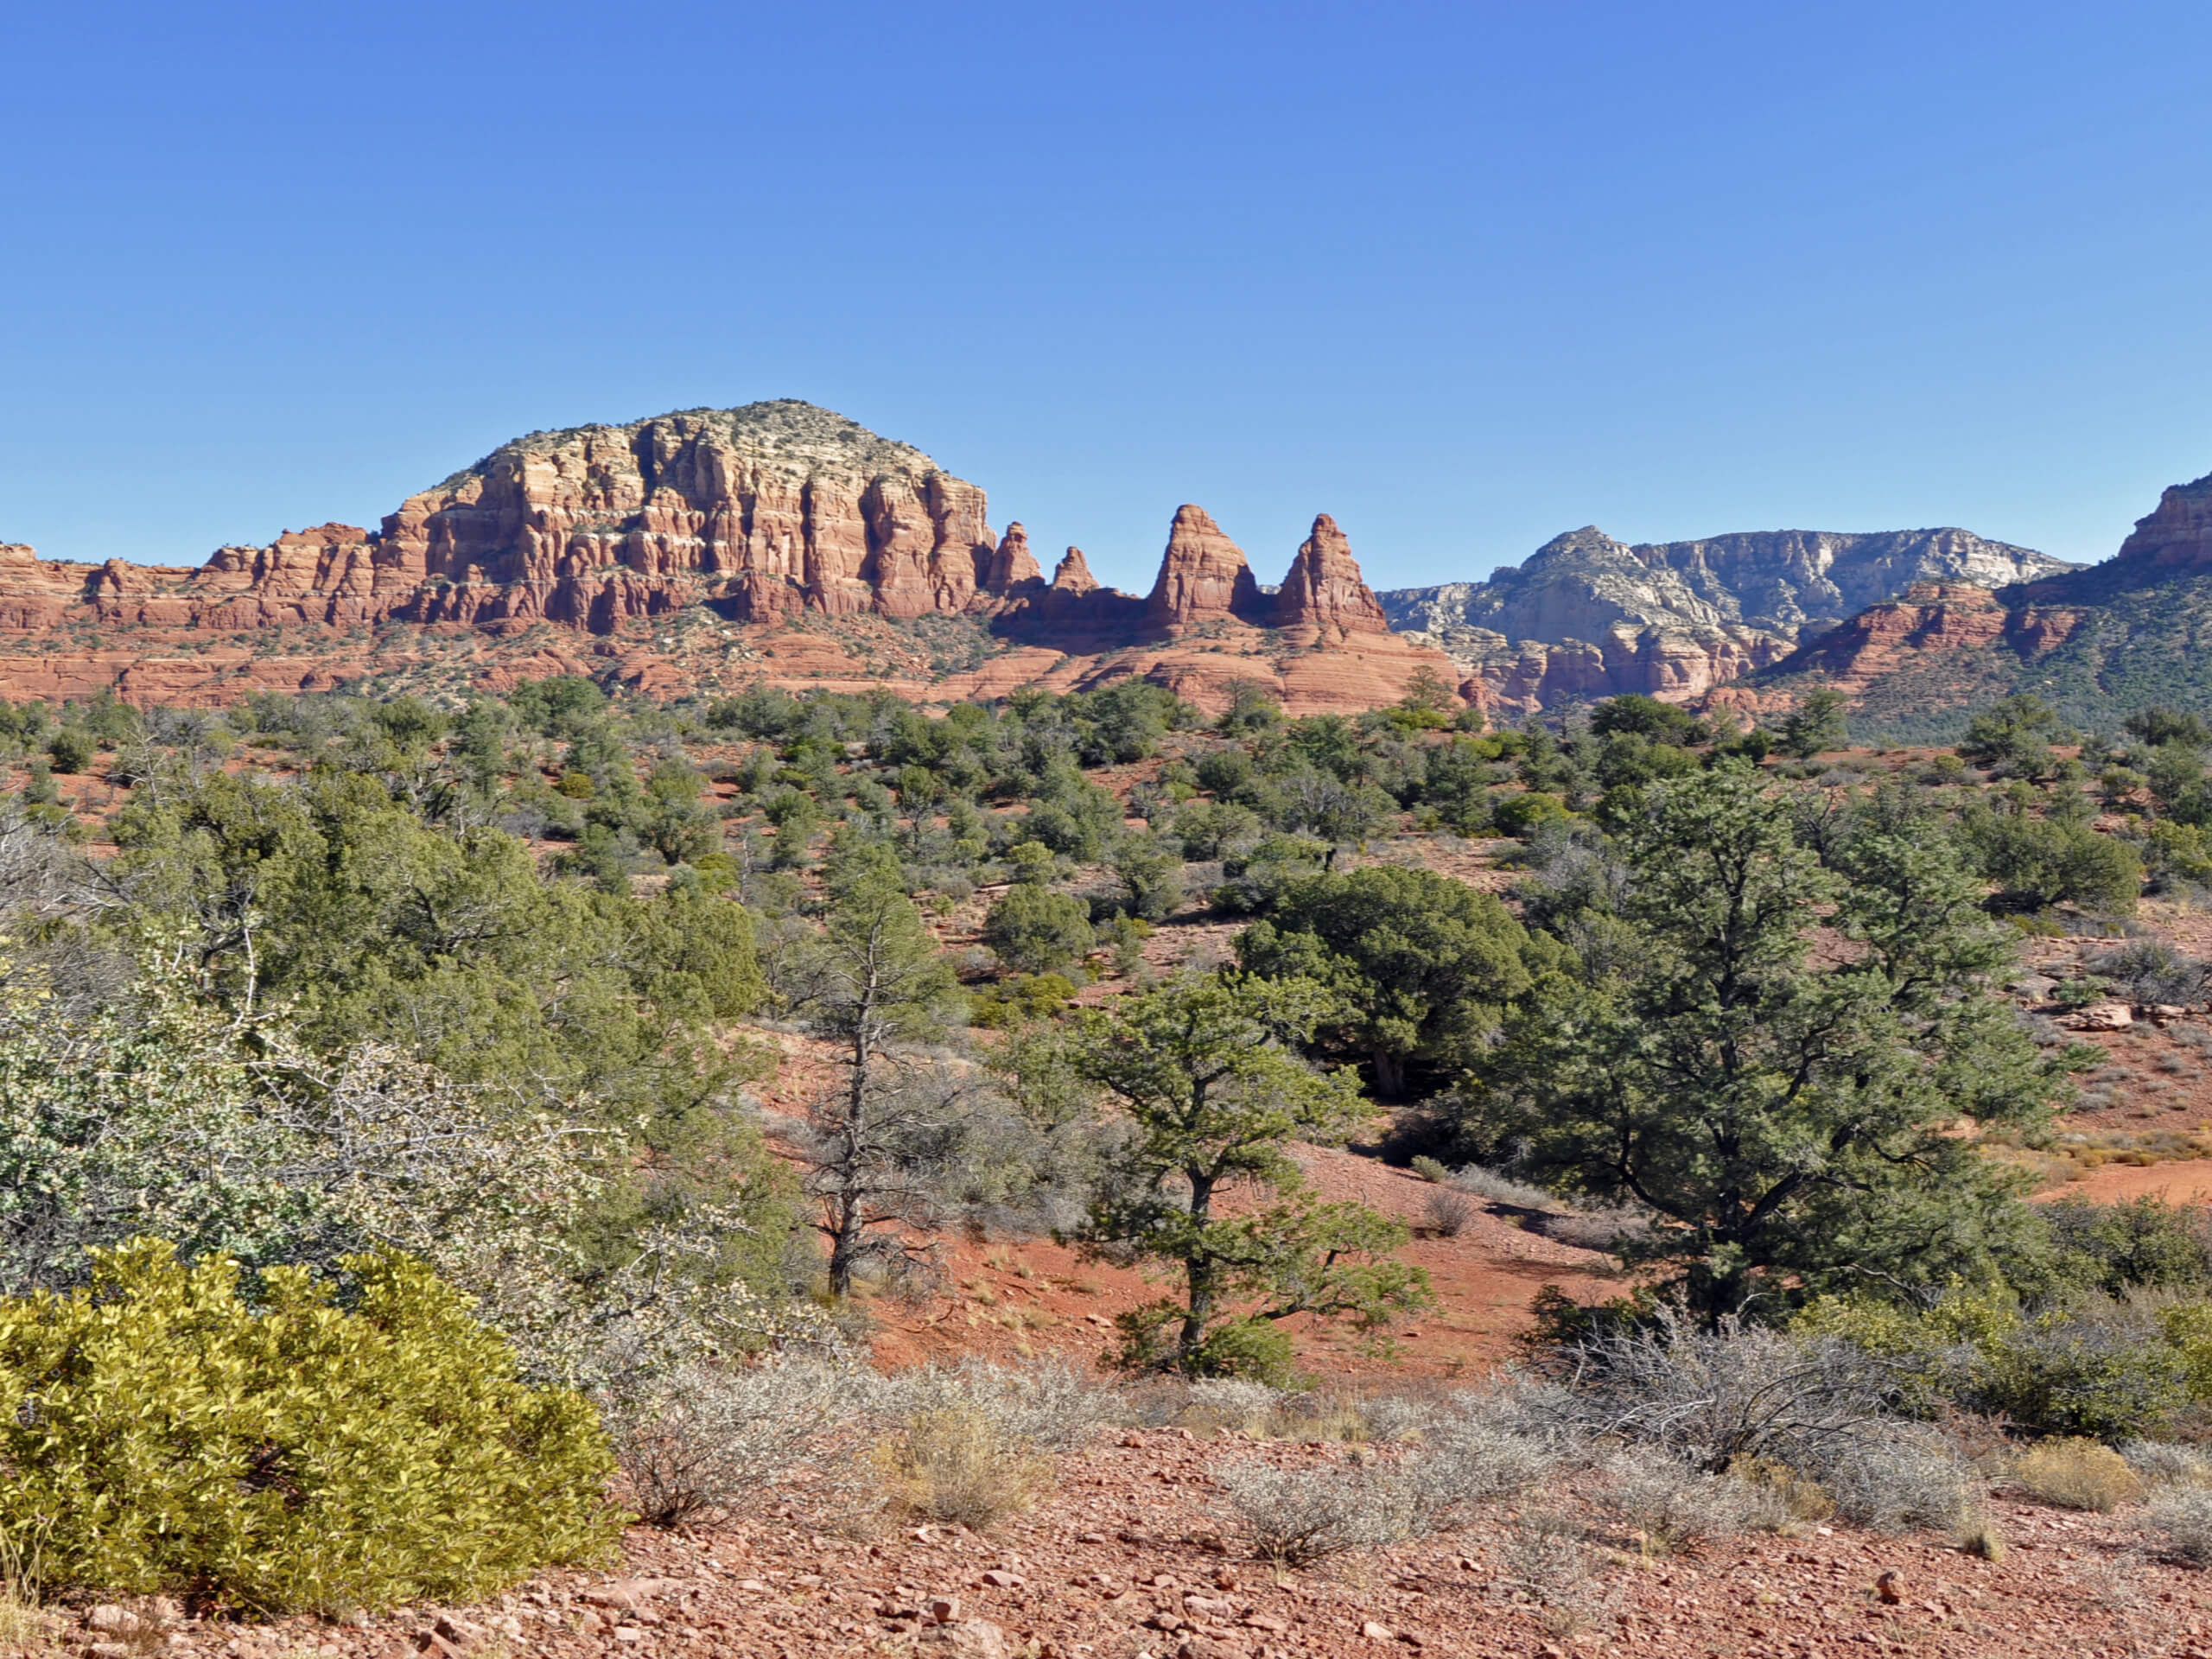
x: 2078, y: 1475
x: 160, y: 1434
x: 2187, y: 1325
x: 2090, y: 1366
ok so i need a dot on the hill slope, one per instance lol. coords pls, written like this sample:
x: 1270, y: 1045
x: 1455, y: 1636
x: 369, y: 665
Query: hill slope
x: 2098, y: 641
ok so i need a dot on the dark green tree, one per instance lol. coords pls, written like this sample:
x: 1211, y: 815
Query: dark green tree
x: 2015, y: 736
x: 1787, y: 1117
x: 1036, y: 930
x: 1421, y: 967
x: 1815, y: 725
x: 1205, y: 1070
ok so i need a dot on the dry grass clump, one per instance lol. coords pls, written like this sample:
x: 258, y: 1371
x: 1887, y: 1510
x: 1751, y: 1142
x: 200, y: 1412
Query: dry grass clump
x: 837, y: 1441
x: 2077, y: 1475
x: 961, y: 1465
x: 1232, y: 1403
x: 1447, y: 1212
x: 1796, y: 1496
x: 25, y: 1627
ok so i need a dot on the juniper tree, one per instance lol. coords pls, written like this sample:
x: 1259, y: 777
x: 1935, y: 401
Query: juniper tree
x: 1205, y: 1069
x: 1777, y: 1056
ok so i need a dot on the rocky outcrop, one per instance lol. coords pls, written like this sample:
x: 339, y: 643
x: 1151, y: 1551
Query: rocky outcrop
x: 2177, y: 534
x: 775, y: 508
x: 1072, y: 573
x: 1586, y: 616
x: 1013, y: 567
x: 1930, y: 617
x: 1202, y: 576
x: 745, y: 519
x: 1325, y: 591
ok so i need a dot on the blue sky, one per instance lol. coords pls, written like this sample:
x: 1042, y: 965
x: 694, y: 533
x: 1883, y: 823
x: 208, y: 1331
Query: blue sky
x: 1464, y: 276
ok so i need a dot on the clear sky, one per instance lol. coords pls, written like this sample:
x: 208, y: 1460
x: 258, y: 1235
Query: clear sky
x: 1464, y: 276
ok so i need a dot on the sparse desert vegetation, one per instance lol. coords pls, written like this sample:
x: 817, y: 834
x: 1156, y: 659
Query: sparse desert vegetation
x: 829, y: 1120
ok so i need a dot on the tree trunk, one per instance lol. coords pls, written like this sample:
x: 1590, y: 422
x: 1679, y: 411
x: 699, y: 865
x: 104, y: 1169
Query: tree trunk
x: 1390, y: 1075
x: 1200, y: 1278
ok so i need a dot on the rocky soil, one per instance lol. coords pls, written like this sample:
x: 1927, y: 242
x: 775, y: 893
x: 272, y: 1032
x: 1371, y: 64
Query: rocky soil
x: 1132, y: 1552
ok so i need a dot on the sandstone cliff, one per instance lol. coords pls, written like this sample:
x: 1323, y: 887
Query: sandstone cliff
x: 695, y: 550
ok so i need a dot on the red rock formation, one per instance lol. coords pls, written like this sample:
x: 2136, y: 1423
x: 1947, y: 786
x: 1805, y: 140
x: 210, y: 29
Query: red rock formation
x: 1013, y: 567
x: 1202, y: 576
x: 2177, y: 534
x: 1072, y: 573
x: 569, y: 550
x: 1323, y: 590
x: 1931, y: 617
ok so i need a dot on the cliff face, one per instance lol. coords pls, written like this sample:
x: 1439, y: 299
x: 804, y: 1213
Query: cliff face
x: 1586, y: 616
x: 2177, y: 534
x: 722, y: 527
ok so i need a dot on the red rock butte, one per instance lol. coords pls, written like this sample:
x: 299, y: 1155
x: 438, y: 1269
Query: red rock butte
x: 703, y: 549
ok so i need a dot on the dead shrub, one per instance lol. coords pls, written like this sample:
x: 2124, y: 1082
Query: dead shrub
x: 2183, y: 1515
x: 1671, y: 1504
x: 1448, y: 1212
x: 721, y: 1440
x: 1492, y: 1187
x: 1546, y: 1561
x: 1046, y: 1404
x: 1711, y: 1398
x: 2076, y: 1474
x: 1906, y: 1479
x: 1474, y: 1450
x: 2157, y: 1463
x: 1298, y: 1516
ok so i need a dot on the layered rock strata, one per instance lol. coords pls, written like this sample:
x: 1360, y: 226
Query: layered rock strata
x: 743, y: 522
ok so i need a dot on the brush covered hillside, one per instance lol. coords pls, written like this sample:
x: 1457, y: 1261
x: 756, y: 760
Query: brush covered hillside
x: 706, y: 549
x: 572, y: 1171
x: 1586, y: 617
x: 2095, y: 642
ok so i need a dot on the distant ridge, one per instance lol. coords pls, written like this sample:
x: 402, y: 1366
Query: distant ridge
x: 1586, y: 616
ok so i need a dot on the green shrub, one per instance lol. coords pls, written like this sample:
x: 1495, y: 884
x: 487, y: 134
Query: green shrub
x: 2090, y: 1367
x: 1517, y: 815
x: 1036, y: 930
x: 72, y: 749
x: 161, y: 1434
